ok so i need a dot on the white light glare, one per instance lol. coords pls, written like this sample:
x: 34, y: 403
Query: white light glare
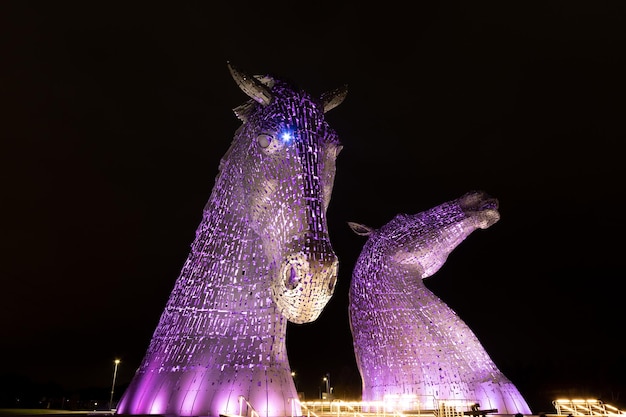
x: 286, y: 137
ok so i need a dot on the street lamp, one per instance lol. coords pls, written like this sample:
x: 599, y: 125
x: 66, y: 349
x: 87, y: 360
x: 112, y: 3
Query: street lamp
x: 325, y: 379
x: 116, y: 362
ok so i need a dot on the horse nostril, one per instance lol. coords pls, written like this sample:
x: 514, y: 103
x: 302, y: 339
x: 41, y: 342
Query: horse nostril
x: 291, y: 279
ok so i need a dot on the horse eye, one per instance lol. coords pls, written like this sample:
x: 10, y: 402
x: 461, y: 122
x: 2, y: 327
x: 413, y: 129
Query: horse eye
x: 264, y: 140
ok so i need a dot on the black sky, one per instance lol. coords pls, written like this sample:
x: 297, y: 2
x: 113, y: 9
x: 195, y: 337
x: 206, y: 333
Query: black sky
x: 115, y: 115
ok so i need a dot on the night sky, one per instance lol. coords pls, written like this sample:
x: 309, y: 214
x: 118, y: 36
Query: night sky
x: 114, y: 116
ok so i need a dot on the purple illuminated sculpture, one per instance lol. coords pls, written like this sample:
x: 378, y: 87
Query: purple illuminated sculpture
x: 412, y: 350
x: 261, y: 257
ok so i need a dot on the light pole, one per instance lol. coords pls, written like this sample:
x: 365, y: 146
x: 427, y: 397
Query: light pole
x: 325, y: 379
x: 116, y: 362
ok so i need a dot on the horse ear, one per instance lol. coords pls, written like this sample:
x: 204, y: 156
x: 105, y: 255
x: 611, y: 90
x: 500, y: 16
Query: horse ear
x: 333, y: 98
x: 253, y: 88
x: 242, y: 112
x: 360, y: 229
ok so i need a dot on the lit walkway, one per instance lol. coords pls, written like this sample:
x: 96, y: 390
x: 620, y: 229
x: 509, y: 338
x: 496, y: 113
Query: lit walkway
x: 339, y: 408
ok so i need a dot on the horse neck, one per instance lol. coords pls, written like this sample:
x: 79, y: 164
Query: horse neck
x: 225, y: 212
x: 227, y: 255
x: 390, y: 285
x: 387, y: 276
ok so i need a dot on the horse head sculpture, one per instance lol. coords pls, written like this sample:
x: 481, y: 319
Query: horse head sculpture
x: 286, y: 184
x: 423, y: 355
x: 261, y: 257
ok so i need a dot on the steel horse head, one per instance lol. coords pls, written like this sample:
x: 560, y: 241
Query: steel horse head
x: 422, y: 349
x: 261, y: 257
x: 287, y: 182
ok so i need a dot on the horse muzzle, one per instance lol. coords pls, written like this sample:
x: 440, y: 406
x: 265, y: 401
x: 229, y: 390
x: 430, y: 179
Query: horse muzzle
x: 305, y: 283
